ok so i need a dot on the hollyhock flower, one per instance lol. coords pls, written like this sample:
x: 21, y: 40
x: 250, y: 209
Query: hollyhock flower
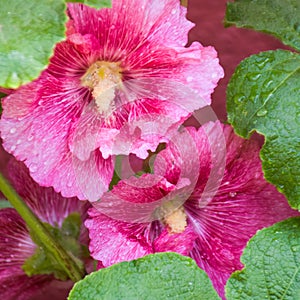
x: 117, y: 85
x: 183, y: 211
x: 16, y: 245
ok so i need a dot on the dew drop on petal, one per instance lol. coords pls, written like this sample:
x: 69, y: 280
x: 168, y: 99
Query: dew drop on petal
x: 227, y: 254
x: 30, y: 138
x: 232, y: 194
x: 13, y: 130
x: 33, y: 168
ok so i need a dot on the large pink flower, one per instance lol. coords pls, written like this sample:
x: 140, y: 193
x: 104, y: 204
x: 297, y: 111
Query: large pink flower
x: 16, y: 245
x: 207, y: 210
x: 118, y: 85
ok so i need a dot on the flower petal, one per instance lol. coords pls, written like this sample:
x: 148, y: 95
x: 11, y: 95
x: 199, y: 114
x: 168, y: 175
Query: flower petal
x: 136, y: 199
x: 40, y: 138
x: 40, y: 199
x: 181, y: 243
x: 113, y: 241
x: 93, y: 175
x: 243, y: 203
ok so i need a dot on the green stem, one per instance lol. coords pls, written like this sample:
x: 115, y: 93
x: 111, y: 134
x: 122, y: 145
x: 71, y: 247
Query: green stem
x: 67, y: 262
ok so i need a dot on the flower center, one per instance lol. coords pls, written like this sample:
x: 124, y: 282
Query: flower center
x: 102, y: 78
x: 176, y: 221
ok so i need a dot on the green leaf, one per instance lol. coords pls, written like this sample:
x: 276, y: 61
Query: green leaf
x: 43, y: 261
x: 280, y: 18
x: 94, y: 3
x: 272, y: 265
x: 263, y: 95
x: 28, y: 33
x: 156, y: 276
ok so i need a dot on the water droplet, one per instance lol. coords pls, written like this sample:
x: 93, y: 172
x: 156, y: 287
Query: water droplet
x: 8, y: 260
x: 189, y: 79
x: 268, y: 83
x: 13, y: 130
x: 227, y: 254
x: 254, y: 76
x: 262, y: 112
x: 261, y: 62
x: 30, y: 138
x: 13, y: 148
x: 69, y: 184
x: 33, y: 168
x: 232, y: 194
x: 239, y: 98
x: 18, y: 142
x: 174, y: 11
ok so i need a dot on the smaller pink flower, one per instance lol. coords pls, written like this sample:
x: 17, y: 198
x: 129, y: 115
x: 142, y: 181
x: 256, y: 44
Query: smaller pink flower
x: 204, y: 203
x: 16, y: 245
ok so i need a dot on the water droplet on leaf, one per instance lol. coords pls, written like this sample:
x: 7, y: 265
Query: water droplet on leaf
x: 262, y: 112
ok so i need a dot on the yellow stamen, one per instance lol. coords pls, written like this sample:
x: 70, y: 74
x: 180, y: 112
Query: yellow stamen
x: 103, y: 78
x: 176, y: 221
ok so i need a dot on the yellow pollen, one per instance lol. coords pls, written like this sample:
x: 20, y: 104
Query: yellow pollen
x: 102, y: 78
x: 176, y: 221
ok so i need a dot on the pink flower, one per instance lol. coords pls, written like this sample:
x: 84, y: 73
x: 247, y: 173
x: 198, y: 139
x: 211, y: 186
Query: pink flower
x: 118, y: 85
x: 16, y: 245
x: 205, y: 206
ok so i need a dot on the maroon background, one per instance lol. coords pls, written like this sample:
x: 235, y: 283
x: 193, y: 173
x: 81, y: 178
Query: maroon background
x: 233, y: 44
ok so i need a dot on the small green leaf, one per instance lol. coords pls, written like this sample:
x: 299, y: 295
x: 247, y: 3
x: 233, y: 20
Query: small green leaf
x: 28, y: 32
x: 263, y: 95
x: 94, y: 3
x: 43, y: 261
x: 272, y: 265
x: 156, y: 276
x: 277, y: 17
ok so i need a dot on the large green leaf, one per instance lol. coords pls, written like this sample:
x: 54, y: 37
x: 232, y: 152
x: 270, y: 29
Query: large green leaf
x: 28, y: 33
x: 280, y: 18
x: 263, y: 95
x: 272, y: 265
x: 156, y: 276
x: 94, y: 3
